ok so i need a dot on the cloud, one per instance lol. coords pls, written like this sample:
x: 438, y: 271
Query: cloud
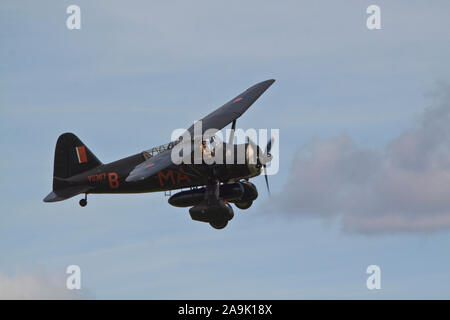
x: 404, y: 188
x: 33, y: 286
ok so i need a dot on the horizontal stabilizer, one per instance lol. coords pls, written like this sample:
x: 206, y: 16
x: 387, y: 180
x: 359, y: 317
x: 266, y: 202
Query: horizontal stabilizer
x: 66, y: 193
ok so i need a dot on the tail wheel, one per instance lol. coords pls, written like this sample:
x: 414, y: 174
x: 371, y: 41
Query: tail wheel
x: 83, y: 202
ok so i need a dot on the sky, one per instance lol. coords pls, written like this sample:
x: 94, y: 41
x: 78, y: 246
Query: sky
x: 364, y: 173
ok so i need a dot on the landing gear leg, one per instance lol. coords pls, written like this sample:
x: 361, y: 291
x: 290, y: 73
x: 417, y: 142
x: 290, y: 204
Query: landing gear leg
x: 212, y: 191
x: 83, y: 202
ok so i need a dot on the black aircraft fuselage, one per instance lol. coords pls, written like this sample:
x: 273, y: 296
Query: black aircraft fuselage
x: 110, y: 177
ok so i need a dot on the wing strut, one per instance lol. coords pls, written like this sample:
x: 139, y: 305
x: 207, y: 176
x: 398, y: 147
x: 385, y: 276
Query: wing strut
x: 233, y: 127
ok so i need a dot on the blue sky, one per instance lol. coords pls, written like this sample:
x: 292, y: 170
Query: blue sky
x: 138, y: 70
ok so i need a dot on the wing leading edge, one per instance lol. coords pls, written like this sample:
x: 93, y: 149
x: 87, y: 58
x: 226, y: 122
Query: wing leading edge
x: 233, y: 109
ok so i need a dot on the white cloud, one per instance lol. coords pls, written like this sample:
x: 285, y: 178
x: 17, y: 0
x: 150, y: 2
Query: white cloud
x: 33, y: 286
x: 404, y: 188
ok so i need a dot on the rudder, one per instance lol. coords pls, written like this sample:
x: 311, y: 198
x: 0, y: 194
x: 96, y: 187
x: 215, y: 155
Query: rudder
x: 71, y: 158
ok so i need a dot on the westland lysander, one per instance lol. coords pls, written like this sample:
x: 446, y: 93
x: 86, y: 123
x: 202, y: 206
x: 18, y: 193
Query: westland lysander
x: 212, y: 186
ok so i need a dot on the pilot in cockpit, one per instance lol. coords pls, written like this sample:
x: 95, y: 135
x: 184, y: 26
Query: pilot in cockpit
x: 206, y: 150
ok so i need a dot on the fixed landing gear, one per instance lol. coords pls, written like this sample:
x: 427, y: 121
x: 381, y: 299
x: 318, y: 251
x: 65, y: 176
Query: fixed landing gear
x: 244, y: 205
x: 212, y: 209
x: 221, y: 221
x: 83, y: 202
x: 219, y: 224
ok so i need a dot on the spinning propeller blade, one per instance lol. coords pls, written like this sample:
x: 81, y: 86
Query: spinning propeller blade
x: 263, y: 158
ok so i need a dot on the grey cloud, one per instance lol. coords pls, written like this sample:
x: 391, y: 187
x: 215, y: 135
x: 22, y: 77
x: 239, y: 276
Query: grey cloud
x: 405, y: 187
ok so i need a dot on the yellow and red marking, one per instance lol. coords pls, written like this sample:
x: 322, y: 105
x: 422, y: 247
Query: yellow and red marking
x: 237, y: 99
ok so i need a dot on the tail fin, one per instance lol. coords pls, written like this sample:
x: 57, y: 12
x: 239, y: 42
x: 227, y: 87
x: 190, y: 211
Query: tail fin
x: 71, y: 157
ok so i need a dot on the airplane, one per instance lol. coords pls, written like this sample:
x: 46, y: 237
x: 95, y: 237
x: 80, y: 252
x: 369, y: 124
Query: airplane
x: 212, y: 187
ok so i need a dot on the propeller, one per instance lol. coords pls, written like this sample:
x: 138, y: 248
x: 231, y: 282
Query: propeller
x: 262, y: 159
x: 268, y: 158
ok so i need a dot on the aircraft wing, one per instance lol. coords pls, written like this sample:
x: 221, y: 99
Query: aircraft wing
x: 150, y: 167
x: 217, y: 119
x: 233, y: 109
